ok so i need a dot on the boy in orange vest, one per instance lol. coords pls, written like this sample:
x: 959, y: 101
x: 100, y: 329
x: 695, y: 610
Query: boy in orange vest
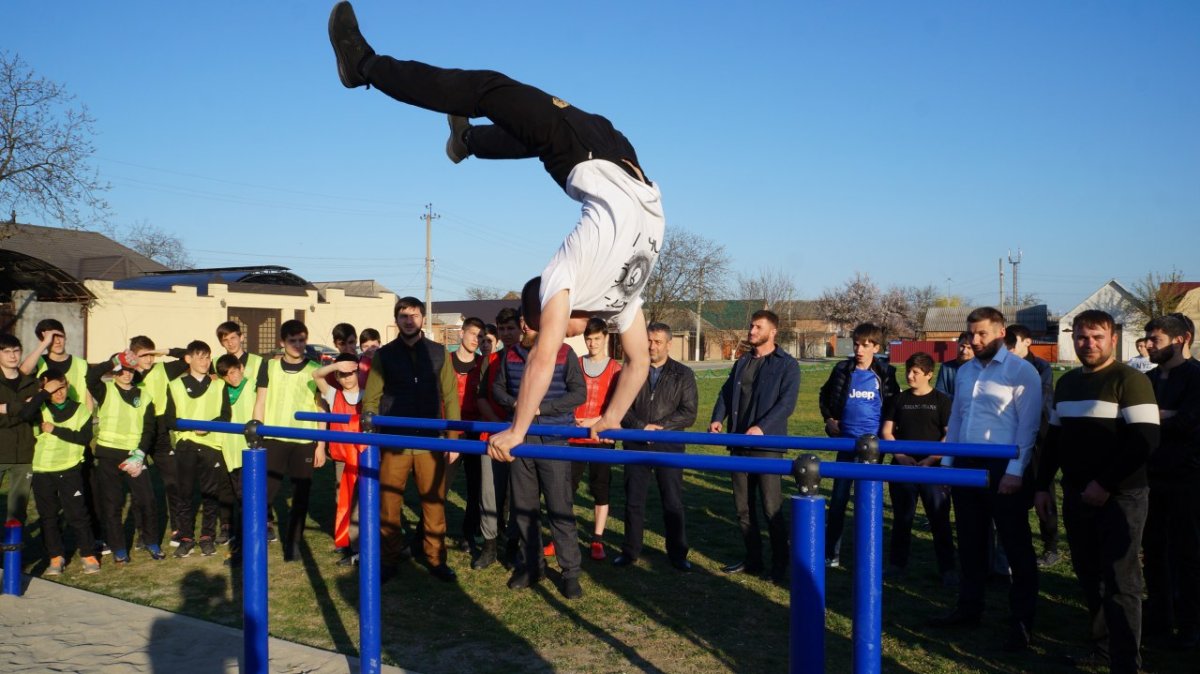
x: 346, y: 398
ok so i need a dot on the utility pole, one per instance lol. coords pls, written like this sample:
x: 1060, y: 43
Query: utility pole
x: 699, y: 306
x: 1000, y: 267
x: 429, y: 217
x: 1016, y: 295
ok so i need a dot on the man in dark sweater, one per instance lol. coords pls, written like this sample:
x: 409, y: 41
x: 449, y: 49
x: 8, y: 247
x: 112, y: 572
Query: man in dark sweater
x: 1102, y: 428
x: 1172, y: 541
x: 16, y: 435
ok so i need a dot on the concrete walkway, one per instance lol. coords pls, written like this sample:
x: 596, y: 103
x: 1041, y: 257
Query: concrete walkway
x: 57, y: 628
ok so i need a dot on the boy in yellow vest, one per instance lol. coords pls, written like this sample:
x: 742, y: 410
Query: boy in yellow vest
x: 229, y: 334
x: 240, y: 396
x: 125, y: 432
x: 154, y: 377
x: 63, y: 428
x: 198, y: 459
x: 285, y: 386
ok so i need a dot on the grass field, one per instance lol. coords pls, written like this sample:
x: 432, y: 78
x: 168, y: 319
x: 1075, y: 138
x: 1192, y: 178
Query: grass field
x: 645, y: 618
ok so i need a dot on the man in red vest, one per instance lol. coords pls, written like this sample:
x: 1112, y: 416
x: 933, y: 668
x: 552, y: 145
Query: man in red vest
x: 599, y: 375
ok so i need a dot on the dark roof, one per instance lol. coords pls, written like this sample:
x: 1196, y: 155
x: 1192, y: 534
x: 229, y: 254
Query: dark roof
x: 48, y: 283
x: 358, y: 288
x: 79, y: 253
x: 269, y: 275
x: 482, y: 309
x: 954, y: 319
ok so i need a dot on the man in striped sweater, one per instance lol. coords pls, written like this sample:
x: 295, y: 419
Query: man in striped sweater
x: 1103, y: 426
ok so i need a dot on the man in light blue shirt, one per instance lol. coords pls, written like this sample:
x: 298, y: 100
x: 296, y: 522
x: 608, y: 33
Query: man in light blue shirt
x: 998, y: 400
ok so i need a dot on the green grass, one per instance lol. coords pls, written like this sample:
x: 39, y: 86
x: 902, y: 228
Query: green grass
x: 646, y: 618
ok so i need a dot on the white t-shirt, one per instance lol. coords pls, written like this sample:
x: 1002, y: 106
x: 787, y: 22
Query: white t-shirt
x: 352, y: 397
x: 605, y: 261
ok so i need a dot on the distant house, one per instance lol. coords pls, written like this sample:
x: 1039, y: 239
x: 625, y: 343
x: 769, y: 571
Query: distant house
x: 1115, y: 299
x: 946, y: 323
x: 1190, y: 304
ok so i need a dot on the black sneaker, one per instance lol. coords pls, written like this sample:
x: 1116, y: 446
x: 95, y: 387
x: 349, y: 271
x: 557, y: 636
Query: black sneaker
x: 571, y: 589
x: 222, y: 536
x: 348, y: 45
x: 522, y: 579
x: 271, y: 535
x: 102, y: 548
x: 174, y: 542
x: 186, y: 545
x: 456, y: 145
x: 208, y: 547
x: 443, y: 573
x: 349, y: 559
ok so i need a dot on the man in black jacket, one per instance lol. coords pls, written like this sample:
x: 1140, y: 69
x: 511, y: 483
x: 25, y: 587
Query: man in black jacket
x: 855, y: 400
x: 16, y: 435
x: 757, y: 399
x: 667, y: 402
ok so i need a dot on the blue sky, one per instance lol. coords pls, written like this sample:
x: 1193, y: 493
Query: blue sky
x: 918, y: 141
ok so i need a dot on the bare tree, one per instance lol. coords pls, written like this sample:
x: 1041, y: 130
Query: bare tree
x: 1157, y: 295
x: 773, y: 286
x: 157, y: 244
x: 857, y: 301
x: 895, y: 313
x: 920, y: 300
x: 46, y: 149
x: 483, y: 293
x: 690, y: 267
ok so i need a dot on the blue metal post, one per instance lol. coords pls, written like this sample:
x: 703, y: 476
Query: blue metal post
x: 807, y: 639
x: 369, y: 609
x: 867, y: 633
x: 12, y: 557
x: 254, y: 553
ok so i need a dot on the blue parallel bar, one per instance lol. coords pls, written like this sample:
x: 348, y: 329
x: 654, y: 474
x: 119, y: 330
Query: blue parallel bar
x: 954, y: 477
x: 806, y: 643
x: 370, y: 611
x: 867, y: 631
x: 684, y: 437
x: 12, y: 557
x: 254, y: 566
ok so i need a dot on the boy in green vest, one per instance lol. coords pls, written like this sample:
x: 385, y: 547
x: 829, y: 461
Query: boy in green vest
x: 240, y: 396
x: 63, y: 428
x: 125, y: 432
x: 198, y: 460
x: 285, y: 386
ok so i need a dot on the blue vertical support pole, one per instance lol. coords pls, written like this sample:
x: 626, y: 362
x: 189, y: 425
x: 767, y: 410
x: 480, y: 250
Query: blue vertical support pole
x: 867, y: 635
x: 12, y: 557
x: 254, y: 553
x: 806, y: 643
x: 369, y: 609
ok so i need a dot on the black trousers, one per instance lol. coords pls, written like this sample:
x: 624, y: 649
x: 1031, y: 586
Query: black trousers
x: 293, y: 460
x: 973, y: 509
x: 112, y: 482
x: 63, y: 490
x: 526, y: 122
x: 198, y: 465
x: 670, y: 491
x: 163, y: 456
x: 472, y: 472
x: 599, y: 479
x: 935, y: 498
x: 835, y: 517
x: 1172, y: 546
x: 749, y: 492
x: 553, y: 478
x: 1104, y: 545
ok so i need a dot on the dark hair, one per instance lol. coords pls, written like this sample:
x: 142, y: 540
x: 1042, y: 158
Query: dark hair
x: 292, y: 328
x: 1094, y: 318
x: 8, y: 341
x: 1187, y: 322
x: 596, y: 325
x: 369, y: 335
x: 346, y: 358
x: 343, y: 331
x: 490, y: 329
x: 1139, y: 341
x: 964, y: 336
x: 508, y: 315
x: 920, y: 360
x: 659, y: 326
x: 51, y: 375
x: 770, y: 316
x: 1169, y: 325
x: 48, y: 324
x: 531, y: 303
x: 141, y: 342
x: 228, y: 328
x: 226, y: 363
x: 409, y: 302
x: 1015, y: 332
x: 197, y: 348
x: 473, y: 322
x: 867, y: 332
x: 986, y: 314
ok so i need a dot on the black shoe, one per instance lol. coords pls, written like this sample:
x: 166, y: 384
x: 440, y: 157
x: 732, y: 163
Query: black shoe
x: 956, y: 618
x: 1049, y: 558
x: 522, y: 579
x: 487, y: 555
x: 443, y: 573
x: 681, y: 565
x: 1018, y: 639
x: 271, y: 535
x: 571, y: 589
x: 456, y: 145
x: 348, y: 45
x: 208, y: 547
x: 174, y: 542
x: 742, y: 567
x: 186, y: 545
x: 222, y: 536
x: 1092, y: 660
x: 623, y: 560
x: 511, y: 549
x: 348, y: 559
